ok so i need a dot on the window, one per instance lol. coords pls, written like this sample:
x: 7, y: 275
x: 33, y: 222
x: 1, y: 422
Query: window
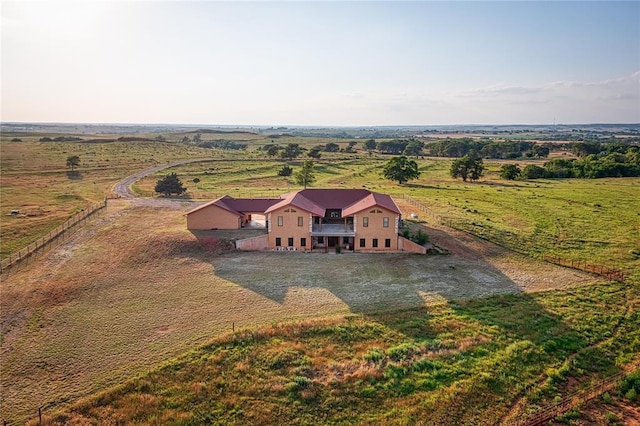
x: 387, y: 242
x: 303, y: 242
x: 345, y: 240
x: 385, y: 222
x: 335, y: 214
x: 300, y: 220
x: 365, y: 222
x: 280, y: 220
x: 320, y: 240
x: 278, y: 241
x: 375, y: 242
x: 290, y: 241
x: 362, y: 242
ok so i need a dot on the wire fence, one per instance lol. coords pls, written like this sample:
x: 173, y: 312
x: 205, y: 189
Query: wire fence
x: 514, y: 242
x: 47, y: 240
x: 576, y: 398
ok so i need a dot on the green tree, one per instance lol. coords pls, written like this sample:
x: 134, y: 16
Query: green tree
x: 170, y: 184
x: 531, y: 171
x: 370, y: 145
x: 305, y: 176
x: 291, y: 151
x: 401, y: 169
x: 509, y: 171
x: 285, y: 171
x: 467, y: 168
x: 314, y: 152
x: 414, y: 147
x: 73, y: 162
x: 273, y: 150
x: 332, y: 147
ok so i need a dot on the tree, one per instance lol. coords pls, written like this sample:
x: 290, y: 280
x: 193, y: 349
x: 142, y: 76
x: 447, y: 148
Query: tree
x: 414, y: 147
x: 401, y: 169
x: 314, y: 152
x: 332, y: 147
x: 349, y: 148
x: 273, y: 150
x: 292, y: 151
x: 73, y: 162
x: 370, y: 145
x: 285, y: 171
x: 509, y: 171
x: 170, y: 184
x: 467, y: 168
x: 531, y: 171
x: 305, y: 176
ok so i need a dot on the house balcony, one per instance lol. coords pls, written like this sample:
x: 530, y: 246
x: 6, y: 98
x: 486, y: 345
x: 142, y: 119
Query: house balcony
x: 332, y: 229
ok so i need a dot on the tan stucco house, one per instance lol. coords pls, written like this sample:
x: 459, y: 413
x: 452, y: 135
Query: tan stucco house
x: 309, y: 219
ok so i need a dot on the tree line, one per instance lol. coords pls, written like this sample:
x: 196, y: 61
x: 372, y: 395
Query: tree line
x: 610, y: 161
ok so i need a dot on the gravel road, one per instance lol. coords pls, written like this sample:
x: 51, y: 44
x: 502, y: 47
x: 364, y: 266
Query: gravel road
x: 123, y: 188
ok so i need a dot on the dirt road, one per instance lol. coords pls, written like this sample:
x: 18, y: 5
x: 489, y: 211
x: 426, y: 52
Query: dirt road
x: 123, y: 188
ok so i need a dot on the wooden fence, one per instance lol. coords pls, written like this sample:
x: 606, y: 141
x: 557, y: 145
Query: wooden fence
x: 612, y: 274
x: 46, y: 240
x: 601, y: 270
x: 574, y: 399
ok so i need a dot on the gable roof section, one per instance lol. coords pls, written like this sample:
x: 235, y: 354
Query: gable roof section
x: 373, y: 199
x: 297, y: 199
x: 336, y: 199
x: 253, y: 205
x: 240, y: 206
x: 315, y: 201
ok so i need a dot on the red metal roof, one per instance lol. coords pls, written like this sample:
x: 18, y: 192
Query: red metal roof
x: 373, y: 199
x: 315, y: 201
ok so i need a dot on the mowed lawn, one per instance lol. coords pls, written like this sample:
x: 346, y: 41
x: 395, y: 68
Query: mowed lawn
x: 134, y: 288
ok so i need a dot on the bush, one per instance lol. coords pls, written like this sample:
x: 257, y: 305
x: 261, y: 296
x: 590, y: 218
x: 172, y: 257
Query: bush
x: 170, y: 184
x: 285, y: 171
x: 631, y: 395
x: 531, y: 171
x: 420, y: 237
x: 509, y: 171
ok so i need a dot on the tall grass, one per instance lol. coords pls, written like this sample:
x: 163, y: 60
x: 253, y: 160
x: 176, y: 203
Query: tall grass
x: 462, y: 363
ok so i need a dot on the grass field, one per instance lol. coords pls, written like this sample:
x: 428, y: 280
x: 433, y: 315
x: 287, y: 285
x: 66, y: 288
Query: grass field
x: 593, y: 220
x: 447, y: 362
x: 103, y: 306
x: 465, y: 337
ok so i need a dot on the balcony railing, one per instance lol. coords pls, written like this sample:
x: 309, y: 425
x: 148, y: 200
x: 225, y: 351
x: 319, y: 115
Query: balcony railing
x: 333, y: 229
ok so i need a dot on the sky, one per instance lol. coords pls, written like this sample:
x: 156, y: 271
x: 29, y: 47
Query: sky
x: 320, y: 63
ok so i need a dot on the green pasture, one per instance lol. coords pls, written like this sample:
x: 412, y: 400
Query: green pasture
x: 588, y: 220
x: 452, y: 362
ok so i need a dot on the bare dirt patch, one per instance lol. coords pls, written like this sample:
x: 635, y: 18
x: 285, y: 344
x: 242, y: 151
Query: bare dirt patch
x: 135, y: 287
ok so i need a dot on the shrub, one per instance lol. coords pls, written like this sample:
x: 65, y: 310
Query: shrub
x: 509, y: 171
x: 631, y: 395
x: 420, y: 237
x: 285, y: 171
x: 531, y: 171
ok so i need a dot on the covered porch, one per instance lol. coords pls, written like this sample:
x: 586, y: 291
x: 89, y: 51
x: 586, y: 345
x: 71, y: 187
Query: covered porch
x: 331, y: 235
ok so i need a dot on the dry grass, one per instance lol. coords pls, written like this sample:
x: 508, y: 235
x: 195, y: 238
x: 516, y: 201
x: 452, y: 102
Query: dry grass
x: 135, y: 288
